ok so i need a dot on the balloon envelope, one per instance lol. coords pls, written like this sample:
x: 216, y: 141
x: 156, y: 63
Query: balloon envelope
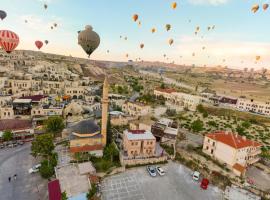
x: 255, y: 8
x: 265, y: 6
x: 3, y: 14
x: 46, y: 42
x: 8, y: 40
x: 38, y: 44
x: 174, y: 5
x: 135, y: 17
x: 89, y: 40
x: 168, y: 27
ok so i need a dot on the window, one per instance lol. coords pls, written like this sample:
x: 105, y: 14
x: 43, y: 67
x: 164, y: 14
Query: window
x: 132, y: 143
x: 136, y: 143
x: 151, y: 142
x: 207, y: 147
x: 131, y: 152
x: 212, y: 151
x: 213, y: 143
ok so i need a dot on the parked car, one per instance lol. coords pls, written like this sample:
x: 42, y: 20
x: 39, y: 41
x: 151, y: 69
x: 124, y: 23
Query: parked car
x: 151, y: 170
x: 21, y: 143
x: 34, y: 169
x: 160, y: 171
x: 204, y: 183
x: 196, y: 176
x: 2, y: 146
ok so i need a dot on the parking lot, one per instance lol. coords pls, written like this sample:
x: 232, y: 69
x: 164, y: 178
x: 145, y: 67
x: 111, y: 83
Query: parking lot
x: 137, y: 184
x: 17, y: 160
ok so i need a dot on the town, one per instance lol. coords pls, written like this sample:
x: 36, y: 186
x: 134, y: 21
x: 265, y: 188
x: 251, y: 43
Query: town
x: 84, y: 136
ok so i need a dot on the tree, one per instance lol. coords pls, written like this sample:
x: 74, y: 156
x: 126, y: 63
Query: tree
x: 92, y: 191
x: 240, y: 130
x: 110, y: 152
x: 46, y: 169
x: 64, y: 196
x: 55, y: 125
x: 109, y: 131
x: 246, y: 124
x: 200, y: 108
x: 162, y: 86
x: 7, y: 135
x: 43, y: 145
x: 197, y: 125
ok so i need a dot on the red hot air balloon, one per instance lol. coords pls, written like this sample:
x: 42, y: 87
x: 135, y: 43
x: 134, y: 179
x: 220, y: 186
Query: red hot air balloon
x: 8, y: 40
x: 38, y: 44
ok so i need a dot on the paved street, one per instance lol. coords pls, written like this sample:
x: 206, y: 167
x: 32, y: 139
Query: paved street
x: 18, y: 160
x: 136, y: 184
x: 259, y: 177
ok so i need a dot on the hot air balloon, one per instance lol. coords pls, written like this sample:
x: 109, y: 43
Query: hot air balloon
x: 213, y: 27
x: 195, y: 32
x: 139, y: 23
x: 52, y: 27
x: 170, y: 41
x: 108, y: 51
x: 197, y: 28
x: 141, y: 46
x: 8, y: 40
x: 127, y: 55
x: 193, y: 54
x: 125, y: 38
x: 209, y: 28
x: 164, y: 55
x: 174, y: 5
x: 258, y: 58
x: 255, y: 8
x: 45, y: 6
x: 120, y: 36
x: 55, y: 24
x: 3, y: 14
x: 153, y: 30
x: 265, y: 6
x: 89, y: 40
x: 203, y: 48
x: 25, y: 21
x: 46, y: 42
x: 38, y: 44
x: 168, y: 27
x: 135, y: 17
x: 189, y: 21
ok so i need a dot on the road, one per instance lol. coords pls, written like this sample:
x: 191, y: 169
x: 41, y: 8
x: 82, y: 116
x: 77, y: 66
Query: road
x: 18, y: 160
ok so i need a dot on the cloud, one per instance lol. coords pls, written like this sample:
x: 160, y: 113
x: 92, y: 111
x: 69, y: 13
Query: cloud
x: 211, y: 2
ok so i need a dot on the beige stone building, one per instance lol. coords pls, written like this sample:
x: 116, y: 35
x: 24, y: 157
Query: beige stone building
x: 139, y: 143
x: 136, y: 108
x: 235, y: 151
x: 255, y: 106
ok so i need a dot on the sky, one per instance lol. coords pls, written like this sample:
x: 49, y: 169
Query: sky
x: 239, y: 35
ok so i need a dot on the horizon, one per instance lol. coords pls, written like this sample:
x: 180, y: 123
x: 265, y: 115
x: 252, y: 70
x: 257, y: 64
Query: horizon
x: 228, y: 44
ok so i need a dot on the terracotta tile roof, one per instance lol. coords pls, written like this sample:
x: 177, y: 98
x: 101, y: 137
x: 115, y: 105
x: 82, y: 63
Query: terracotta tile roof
x: 14, y: 124
x: 167, y: 90
x: 86, y: 148
x: 94, y: 179
x: 239, y: 167
x: 232, y: 139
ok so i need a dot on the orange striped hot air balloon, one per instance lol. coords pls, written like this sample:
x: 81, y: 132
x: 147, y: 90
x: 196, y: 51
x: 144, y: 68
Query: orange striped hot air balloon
x: 8, y: 40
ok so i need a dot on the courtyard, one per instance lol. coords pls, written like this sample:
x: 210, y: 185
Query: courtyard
x: 137, y: 184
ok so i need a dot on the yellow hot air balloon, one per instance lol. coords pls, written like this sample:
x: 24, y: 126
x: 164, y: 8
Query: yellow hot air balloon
x: 174, y: 5
x: 258, y: 58
x: 141, y: 46
x: 265, y: 6
x: 135, y: 17
x: 255, y: 8
x: 170, y: 41
x: 168, y: 27
x: 153, y: 30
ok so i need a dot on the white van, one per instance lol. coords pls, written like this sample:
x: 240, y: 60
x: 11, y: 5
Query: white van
x: 196, y: 176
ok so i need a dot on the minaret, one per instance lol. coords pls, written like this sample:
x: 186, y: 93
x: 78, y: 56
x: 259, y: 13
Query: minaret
x: 105, y: 106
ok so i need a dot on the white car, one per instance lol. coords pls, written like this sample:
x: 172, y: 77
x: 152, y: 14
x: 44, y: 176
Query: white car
x: 160, y: 171
x: 196, y: 176
x: 151, y: 170
x: 34, y: 169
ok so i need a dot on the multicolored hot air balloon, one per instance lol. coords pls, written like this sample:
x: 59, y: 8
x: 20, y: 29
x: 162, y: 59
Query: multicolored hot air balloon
x: 265, y: 6
x: 255, y: 8
x: 8, y: 40
x: 168, y: 27
x: 38, y: 44
x: 89, y: 40
x: 3, y: 14
x: 135, y: 17
x: 174, y: 5
x: 170, y: 41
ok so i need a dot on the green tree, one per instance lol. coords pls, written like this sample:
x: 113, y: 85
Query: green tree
x: 43, y: 146
x: 55, y: 125
x: 92, y: 191
x: 246, y: 124
x: 110, y: 152
x: 240, y: 130
x: 162, y: 86
x: 64, y: 196
x: 200, y: 108
x: 7, y: 135
x: 197, y: 125
x: 46, y: 169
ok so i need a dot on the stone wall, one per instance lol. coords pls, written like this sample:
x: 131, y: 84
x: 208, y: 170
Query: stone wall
x: 141, y: 161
